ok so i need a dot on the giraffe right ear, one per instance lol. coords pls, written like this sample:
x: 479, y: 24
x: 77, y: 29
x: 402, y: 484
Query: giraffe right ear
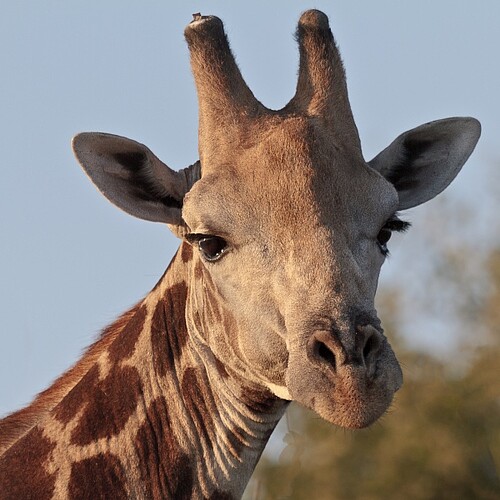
x: 130, y: 176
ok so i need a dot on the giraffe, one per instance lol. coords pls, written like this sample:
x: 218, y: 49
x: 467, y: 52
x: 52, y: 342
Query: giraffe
x: 269, y: 299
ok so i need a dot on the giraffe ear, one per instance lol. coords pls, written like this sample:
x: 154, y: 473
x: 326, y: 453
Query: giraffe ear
x: 423, y: 161
x: 130, y: 176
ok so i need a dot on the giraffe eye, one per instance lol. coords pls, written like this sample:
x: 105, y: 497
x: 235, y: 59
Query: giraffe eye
x: 212, y: 248
x: 383, y: 237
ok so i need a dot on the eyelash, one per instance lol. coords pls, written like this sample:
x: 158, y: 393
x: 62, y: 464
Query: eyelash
x: 397, y: 225
x: 394, y: 224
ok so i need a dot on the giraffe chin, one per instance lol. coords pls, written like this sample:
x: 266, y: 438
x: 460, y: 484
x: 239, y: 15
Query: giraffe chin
x: 346, y: 405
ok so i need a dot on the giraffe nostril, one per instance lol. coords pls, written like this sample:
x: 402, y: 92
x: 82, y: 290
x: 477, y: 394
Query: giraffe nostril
x: 371, y: 346
x: 325, y: 354
x: 325, y: 349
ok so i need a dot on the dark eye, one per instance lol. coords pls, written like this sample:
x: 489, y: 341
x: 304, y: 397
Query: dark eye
x: 212, y: 247
x: 383, y: 237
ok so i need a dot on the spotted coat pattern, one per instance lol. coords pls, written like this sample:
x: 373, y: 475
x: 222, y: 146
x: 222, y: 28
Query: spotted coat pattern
x: 136, y: 422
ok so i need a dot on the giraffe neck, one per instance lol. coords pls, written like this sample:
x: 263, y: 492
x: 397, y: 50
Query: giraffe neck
x: 157, y: 414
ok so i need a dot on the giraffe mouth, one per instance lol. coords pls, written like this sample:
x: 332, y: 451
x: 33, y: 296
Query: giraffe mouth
x: 346, y: 393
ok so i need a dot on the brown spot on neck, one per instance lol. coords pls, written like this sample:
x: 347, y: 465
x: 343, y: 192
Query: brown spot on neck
x: 260, y: 400
x: 168, y: 329
x: 22, y: 474
x: 67, y: 409
x: 101, y: 476
x: 200, y: 403
x: 110, y: 403
x: 124, y: 345
x: 165, y: 469
x: 186, y: 252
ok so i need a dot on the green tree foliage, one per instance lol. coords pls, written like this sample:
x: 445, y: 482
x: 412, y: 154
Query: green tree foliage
x: 440, y: 440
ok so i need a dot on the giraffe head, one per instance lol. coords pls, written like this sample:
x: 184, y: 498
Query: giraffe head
x: 287, y: 222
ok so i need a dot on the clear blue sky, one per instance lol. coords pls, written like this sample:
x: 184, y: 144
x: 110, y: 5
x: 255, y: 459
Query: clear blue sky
x: 69, y: 261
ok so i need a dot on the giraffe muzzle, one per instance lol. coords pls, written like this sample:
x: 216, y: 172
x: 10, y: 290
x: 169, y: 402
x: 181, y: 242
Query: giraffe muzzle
x: 348, y: 378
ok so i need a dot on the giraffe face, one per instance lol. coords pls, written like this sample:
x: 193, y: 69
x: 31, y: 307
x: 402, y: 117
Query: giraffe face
x: 295, y: 260
x: 288, y: 223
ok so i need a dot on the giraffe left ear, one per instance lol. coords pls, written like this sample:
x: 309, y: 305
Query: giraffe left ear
x: 133, y: 178
x: 422, y: 162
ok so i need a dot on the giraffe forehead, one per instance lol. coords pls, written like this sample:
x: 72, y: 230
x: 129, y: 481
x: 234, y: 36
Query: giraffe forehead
x: 281, y: 184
